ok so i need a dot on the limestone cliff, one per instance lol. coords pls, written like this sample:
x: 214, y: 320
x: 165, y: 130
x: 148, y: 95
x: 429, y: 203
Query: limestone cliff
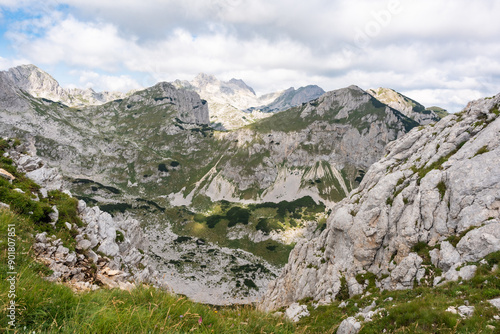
x: 438, y: 188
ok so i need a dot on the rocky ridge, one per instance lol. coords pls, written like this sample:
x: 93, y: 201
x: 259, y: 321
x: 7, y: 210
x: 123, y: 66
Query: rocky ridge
x: 284, y: 157
x: 38, y: 83
x: 109, y: 249
x: 431, y: 204
x: 84, y: 142
x: 405, y: 105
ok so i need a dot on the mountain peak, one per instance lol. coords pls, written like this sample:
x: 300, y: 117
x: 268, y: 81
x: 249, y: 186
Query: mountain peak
x: 354, y: 87
x: 39, y: 83
x: 404, y: 104
x: 35, y: 81
x: 29, y: 67
x: 204, y: 79
x: 25, y: 71
x: 240, y: 83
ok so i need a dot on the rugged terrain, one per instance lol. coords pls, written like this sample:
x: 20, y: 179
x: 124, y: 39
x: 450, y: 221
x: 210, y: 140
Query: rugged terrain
x: 426, y: 213
x: 408, y: 106
x: 233, y: 104
x: 157, y: 142
x: 244, y: 195
x: 214, y: 214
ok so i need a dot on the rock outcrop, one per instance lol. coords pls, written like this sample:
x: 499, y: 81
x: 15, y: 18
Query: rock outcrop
x: 439, y: 182
x: 110, y: 249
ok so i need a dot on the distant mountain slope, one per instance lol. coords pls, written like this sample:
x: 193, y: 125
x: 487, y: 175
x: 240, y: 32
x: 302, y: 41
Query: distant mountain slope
x: 153, y: 154
x: 38, y: 83
x: 290, y: 98
x: 226, y: 100
x: 407, y: 106
x: 440, y: 112
x: 233, y: 104
x: 319, y: 149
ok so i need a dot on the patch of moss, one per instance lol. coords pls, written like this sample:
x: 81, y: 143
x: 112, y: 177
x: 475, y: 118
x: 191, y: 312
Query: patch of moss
x: 482, y: 150
x: 441, y: 186
x: 119, y: 237
x: 343, y: 293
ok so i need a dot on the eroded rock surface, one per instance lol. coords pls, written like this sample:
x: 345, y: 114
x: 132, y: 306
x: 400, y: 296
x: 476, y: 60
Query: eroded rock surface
x: 437, y: 181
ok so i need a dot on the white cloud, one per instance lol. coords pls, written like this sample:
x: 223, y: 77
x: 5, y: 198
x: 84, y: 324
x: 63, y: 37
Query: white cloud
x: 435, y: 49
x: 95, y: 45
x: 100, y: 82
x: 456, y: 99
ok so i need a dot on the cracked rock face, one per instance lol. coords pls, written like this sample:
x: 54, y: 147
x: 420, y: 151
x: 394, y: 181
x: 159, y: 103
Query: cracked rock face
x: 98, y: 233
x: 439, y: 181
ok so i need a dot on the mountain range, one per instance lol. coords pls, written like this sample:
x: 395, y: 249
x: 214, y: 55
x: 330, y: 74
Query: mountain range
x: 165, y: 155
x: 233, y: 104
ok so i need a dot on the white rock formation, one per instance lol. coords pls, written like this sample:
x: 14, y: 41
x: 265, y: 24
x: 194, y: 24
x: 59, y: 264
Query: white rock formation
x: 349, y: 326
x: 435, y: 182
x: 295, y: 311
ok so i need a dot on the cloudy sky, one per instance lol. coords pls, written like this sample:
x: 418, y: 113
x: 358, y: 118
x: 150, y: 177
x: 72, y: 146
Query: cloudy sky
x: 439, y: 52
